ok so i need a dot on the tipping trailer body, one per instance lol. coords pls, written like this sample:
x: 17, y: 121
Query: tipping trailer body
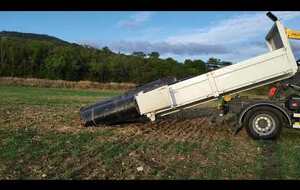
x: 276, y: 65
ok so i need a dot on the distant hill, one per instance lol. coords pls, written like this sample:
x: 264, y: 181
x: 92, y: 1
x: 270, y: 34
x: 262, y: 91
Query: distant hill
x: 32, y: 36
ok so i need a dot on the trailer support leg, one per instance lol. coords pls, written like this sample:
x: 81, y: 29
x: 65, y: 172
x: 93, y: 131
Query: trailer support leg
x: 237, y: 129
x: 151, y: 116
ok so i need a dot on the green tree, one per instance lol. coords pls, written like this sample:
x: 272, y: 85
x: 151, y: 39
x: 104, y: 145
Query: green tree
x: 214, y: 61
x: 139, y: 54
x: 154, y: 55
x: 107, y: 51
x: 31, y: 55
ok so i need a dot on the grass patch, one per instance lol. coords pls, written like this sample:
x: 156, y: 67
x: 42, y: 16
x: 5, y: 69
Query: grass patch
x: 51, y: 96
x: 41, y: 137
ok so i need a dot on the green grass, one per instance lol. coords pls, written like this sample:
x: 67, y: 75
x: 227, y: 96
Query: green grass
x: 288, y: 153
x: 41, y: 138
x: 50, y: 96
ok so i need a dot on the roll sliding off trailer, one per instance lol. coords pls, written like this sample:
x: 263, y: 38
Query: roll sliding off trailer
x: 263, y: 119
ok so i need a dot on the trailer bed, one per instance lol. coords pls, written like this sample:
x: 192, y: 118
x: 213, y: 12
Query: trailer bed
x: 276, y: 65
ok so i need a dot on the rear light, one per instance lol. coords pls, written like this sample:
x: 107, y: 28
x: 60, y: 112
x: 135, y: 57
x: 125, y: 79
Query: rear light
x: 272, y: 91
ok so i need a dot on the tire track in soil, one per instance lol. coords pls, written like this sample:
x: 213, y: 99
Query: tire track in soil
x: 271, y: 163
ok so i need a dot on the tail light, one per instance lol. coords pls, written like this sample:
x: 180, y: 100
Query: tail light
x: 272, y: 92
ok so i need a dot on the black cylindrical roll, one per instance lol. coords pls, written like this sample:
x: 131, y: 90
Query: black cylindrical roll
x: 116, y: 110
x: 119, y: 109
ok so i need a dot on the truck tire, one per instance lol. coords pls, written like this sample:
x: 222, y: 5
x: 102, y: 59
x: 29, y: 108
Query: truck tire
x: 263, y: 122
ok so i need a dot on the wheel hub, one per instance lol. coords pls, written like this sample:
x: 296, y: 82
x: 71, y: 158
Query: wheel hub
x: 263, y: 124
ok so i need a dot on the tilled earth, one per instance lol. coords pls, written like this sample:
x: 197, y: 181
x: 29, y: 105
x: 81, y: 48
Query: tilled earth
x: 196, y: 144
x: 42, y: 138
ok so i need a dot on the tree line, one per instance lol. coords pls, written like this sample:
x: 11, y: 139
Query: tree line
x: 45, y: 57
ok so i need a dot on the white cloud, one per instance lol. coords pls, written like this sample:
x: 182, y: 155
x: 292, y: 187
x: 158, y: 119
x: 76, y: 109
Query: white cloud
x: 135, y: 20
x: 234, y: 39
x: 243, y: 34
x: 167, y: 48
x: 235, y: 29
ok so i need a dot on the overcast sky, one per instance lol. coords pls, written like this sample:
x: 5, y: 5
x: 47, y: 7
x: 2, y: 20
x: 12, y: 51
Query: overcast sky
x: 231, y: 36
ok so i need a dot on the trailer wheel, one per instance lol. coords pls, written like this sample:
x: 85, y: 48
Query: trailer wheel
x: 263, y: 122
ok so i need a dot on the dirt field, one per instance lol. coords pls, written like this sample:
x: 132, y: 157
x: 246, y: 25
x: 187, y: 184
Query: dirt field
x: 41, y: 138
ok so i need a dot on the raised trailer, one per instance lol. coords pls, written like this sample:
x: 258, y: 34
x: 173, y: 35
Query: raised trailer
x: 276, y: 65
x: 163, y: 98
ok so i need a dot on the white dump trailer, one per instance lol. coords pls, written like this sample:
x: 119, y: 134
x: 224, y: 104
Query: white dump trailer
x: 161, y: 98
x: 276, y: 65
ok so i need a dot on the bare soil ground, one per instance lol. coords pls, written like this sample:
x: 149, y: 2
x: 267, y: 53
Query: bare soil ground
x: 41, y: 138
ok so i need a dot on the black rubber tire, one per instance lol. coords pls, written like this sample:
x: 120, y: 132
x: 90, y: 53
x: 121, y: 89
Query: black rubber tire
x: 271, y: 112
